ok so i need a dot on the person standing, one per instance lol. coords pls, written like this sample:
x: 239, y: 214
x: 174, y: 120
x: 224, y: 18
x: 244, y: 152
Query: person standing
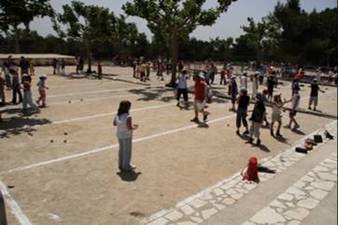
x: 200, y: 91
x: 6, y: 66
x: 234, y: 92
x: 254, y: 85
x: 42, y: 91
x: 63, y: 66
x: 257, y: 118
x: 24, y: 66
x: 2, y: 90
x: 99, y: 70
x: 276, y: 116
x: 223, y: 79
x: 244, y: 81
x: 15, y: 85
x: 242, y: 111
x: 125, y: 127
x: 270, y: 86
x: 182, y: 88
x: 54, y: 62
x: 27, y: 95
x: 314, y: 94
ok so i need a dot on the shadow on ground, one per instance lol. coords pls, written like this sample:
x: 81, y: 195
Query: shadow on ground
x: 20, y: 124
x: 129, y: 176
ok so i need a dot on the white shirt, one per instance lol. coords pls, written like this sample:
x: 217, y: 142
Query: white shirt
x: 122, y: 131
x: 244, y: 82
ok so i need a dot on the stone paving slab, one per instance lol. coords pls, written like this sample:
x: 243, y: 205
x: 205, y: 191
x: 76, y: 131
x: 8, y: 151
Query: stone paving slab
x: 297, y: 202
x: 209, y: 202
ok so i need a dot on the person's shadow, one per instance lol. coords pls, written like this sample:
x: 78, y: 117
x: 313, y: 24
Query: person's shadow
x: 129, y: 176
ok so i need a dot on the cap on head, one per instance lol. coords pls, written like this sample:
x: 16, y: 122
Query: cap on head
x: 201, y: 75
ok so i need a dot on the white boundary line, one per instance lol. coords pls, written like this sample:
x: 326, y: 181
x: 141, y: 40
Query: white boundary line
x: 16, y: 210
x: 111, y: 90
x: 94, y: 151
x: 109, y: 114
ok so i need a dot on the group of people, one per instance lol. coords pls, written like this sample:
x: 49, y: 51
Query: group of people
x: 21, y: 86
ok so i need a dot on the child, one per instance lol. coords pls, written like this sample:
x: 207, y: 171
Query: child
x: 242, y: 111
x: 125, y: 128
x: 314, y: 94
x: 277, y: 105
x: 200, y: 98
x: 250, y: 173
x: 257, y: 118
x: 27, y: 95
x: 42, y: 91
x: 182, y: 88
x: 295, y: 104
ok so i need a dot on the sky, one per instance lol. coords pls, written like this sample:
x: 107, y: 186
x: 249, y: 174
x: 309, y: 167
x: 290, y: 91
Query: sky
x: 228, y: 25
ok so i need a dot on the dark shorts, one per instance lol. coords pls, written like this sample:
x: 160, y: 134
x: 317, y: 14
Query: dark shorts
x: 293, y: 113
x: 233, y: 99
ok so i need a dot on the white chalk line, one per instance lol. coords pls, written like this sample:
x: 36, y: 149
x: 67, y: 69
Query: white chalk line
x: 109, y: 114
x: 114, y: 146
x: 94, y: 151
x: 13, y: 205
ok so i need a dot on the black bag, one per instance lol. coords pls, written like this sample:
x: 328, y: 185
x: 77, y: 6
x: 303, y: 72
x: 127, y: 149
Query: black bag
x: 318, y: 138
x: 301, y: 150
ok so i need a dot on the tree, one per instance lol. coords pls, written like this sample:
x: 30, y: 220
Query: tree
x: 174, y: 20
x: 21, y: 12
x: 86, y: 24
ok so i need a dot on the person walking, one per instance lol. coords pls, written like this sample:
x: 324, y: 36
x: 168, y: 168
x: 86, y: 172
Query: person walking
x: 24, y: 66
x: 270, y: 83
x: 257, y: 118
x: 242, y: 111
x: 63, y: 66
x: 125, y: 127
x: 200, y: 92
x: 54, y: 63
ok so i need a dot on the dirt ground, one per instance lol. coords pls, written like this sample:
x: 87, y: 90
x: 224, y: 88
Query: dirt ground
x: 60, y: 165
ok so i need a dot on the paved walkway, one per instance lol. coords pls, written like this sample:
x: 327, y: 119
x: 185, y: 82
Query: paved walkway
x: 303, y: 191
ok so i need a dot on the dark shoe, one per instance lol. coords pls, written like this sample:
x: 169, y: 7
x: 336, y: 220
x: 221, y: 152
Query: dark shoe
x: 205, y: 118
x: 237, y: 132
x: 246, y: 132
x: 195, y: 120
x: 249, y: 141
x: 278, y: 134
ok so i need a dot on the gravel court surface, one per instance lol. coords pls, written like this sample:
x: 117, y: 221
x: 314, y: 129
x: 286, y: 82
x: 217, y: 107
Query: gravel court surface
x: 160, y: 160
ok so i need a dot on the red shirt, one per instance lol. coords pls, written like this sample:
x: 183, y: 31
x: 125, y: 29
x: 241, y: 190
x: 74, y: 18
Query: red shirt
x: 200, y: 90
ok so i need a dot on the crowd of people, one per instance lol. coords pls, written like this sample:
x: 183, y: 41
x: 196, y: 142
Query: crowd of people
x: 18, y: 79
x: 204, y: 78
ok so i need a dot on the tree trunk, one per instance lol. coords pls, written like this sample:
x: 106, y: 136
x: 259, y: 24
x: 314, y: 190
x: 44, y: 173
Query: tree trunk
x: 16, y: 41
x: 174, y: 59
